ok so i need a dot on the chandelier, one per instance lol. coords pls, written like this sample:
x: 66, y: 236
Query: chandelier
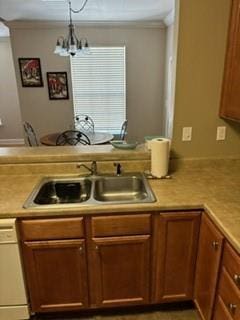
x: 71, y: 45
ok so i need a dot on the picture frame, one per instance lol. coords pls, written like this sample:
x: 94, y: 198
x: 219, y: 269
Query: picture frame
x: 30, y: 71
x: 57, y: 85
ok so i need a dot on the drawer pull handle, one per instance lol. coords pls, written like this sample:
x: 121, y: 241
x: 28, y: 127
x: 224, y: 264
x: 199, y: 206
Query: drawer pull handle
x: 215, y: 245
x: 232, y: 307
x: 236, y: 279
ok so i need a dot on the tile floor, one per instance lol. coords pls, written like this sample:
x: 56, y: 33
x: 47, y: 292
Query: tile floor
x: 160, y: 313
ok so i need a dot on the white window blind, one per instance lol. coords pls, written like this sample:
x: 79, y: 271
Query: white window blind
x: 99, y: 87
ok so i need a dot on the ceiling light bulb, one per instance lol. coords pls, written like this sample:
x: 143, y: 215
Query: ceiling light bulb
x: 72, y: 48
x: 64, y: 53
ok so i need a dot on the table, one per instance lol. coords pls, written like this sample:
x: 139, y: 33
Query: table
x: 95, y: 138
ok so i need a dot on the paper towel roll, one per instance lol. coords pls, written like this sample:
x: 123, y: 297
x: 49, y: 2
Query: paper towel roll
x: 160, y: 157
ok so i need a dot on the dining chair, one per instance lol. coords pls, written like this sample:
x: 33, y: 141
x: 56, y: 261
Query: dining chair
x: 72, y: 138
x: 84, y: 122
x: 30, y: 135
x: 123, y: 131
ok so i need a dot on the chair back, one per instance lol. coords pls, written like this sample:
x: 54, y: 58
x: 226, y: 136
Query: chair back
x: 72, y: 138
x: 123, y: 131
x: 84, y: 122
x: 30, y: 134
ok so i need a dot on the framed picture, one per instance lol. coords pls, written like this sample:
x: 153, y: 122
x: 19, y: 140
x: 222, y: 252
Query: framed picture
x: 30, y: 70
x: 57, y: 85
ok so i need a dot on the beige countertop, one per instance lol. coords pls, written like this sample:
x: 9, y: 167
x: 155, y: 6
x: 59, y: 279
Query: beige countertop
x: 213, y: 185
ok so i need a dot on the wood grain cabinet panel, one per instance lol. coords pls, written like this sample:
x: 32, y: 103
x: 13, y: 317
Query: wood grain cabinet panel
x: 230, y: 294
x: 56, y: 274
x: 230, y: 102
x: 208, y: 263
x: 221, y: 312
x: 174, y: 255
x: 231, y: 262
x: 52, y: 229
x: 120, y: 269
x: 121, y: 225
x: 228, y: 301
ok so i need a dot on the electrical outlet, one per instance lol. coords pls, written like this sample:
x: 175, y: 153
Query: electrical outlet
x: 187, y: 134
x: 221, y: 133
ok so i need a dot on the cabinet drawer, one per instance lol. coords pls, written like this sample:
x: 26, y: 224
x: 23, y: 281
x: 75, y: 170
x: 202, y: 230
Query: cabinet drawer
x: 231, y: 262
x: 221, y: 312
x: 229, y: 294
x: 51, y: 229
x: 121, y: 225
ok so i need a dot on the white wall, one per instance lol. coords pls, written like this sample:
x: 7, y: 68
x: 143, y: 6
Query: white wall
x: 9, y: 103
x: 145, y: 55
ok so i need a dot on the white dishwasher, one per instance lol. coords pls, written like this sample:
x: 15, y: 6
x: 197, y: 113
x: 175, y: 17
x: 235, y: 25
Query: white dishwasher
x: 13, y: 300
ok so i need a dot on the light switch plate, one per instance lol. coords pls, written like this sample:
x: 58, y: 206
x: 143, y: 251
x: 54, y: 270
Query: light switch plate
x: 221, y: 133
x: 187, y: 134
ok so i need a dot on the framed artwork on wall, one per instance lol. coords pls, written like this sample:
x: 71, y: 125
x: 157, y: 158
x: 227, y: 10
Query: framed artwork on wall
x: 57, y: 85
x: 30, y: 70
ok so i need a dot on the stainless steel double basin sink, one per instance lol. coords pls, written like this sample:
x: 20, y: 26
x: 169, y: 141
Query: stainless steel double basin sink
x: 90, y: 190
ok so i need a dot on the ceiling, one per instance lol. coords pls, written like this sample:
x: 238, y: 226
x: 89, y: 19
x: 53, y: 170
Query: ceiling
x: 95, y: 10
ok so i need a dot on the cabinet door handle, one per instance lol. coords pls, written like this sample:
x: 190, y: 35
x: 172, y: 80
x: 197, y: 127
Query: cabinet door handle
x: 96, y: 247
x: 215, y: 245
x: 81, y: 249
x: 232, y: 307
x: 236, y: 279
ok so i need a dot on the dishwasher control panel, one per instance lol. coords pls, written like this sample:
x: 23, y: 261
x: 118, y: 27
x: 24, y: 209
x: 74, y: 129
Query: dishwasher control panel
x: 7, y: 236
x: 7, y: 231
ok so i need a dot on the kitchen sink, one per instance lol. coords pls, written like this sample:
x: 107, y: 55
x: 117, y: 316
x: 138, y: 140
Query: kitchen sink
x: 120, y: 189
x: 91, y: 190
x: 55, y: 191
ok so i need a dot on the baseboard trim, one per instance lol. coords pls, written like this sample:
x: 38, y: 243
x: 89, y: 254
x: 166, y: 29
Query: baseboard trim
x: 10, y: 142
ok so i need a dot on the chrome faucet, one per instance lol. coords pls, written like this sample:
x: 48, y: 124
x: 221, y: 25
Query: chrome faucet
x: 92, y: 169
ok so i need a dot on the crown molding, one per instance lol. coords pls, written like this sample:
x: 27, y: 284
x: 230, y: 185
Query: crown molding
x: 33, y: 24
x: 170, y: 18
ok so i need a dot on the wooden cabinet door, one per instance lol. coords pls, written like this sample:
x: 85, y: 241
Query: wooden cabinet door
x: 120, y: 270
x: 175, y: 243
x: 56, y: 274
x: 230, y: 104
x: 208, y: 261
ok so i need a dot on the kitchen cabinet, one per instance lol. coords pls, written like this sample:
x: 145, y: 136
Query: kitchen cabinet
x: 56, y: 269
x: 207, y: 268
x: 102, y: 261
x: 57, y: 274
x: 228, y: 293
x: 120, y: 264
x: 175, y: 243
x: 55, y: 259
x: 230, y: 102
x: 121, y: 267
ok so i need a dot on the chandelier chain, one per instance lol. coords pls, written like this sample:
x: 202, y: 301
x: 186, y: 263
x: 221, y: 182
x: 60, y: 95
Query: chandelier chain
x: 81, y: 9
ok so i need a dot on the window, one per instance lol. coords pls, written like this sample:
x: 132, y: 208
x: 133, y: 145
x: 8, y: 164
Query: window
x: 99, y: 87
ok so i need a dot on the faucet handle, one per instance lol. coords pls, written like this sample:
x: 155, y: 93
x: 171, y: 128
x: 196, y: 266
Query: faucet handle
x: 119, y: 168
